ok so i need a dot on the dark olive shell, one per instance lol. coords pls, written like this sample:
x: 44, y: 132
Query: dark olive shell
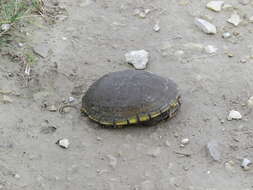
x: 130, y: 97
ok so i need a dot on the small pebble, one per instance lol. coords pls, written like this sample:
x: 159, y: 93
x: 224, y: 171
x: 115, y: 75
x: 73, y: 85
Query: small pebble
x: 213, y: 150
x: 234, y: 115
x: 5, y: 27
x: 138, y: 59
x: 205, y: 26
x: 71, y: 99
x: 156, y: 28
x: 17, y: 176
x: 226, y: 35
x: 147, y: 185
x: 250, y: 102
x: 210, y: 49
x: 234, y: 19
x: 246, y: 164
x: 185, y: 141
x: 215, y: 5
x: 64, y: 143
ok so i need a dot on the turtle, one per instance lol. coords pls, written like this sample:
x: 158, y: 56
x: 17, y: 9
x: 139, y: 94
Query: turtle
x: 131, y: 97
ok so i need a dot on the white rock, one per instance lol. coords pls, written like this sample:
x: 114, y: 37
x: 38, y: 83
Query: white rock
x: 138, y: 59
x: 185, y: 141
x: 210, y: 49
x: 71, y: 99
x: 250, y: 102
x: 226, y: 35
x: 234, y: 19
x: 205, y: 26
x: 234, y: 115
x: 156, y: 28
x: 5, y: 27
x: 215, y: 5
x: 64, y: 143
x: 246, y: 164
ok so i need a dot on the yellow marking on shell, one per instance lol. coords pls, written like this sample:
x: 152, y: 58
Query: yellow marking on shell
x: 165, y: 109
x: 105, y: 123
x: 155, y: 114
x: 133, y: 120
x: 83, y: 110
x: 121, y: 123
x: 144, y: 118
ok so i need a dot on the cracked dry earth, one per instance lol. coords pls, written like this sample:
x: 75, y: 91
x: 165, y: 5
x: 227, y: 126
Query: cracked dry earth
x: 91, y: 42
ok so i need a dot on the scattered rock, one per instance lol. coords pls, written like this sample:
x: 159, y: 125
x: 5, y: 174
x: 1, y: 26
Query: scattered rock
x: 140, y: 13
x: 7, y: 99
x: 250, y: 102
x: 156, y: 28
x: 63, y: 143
x: 167, y: 143
x: 210, y: 49
x: 234, y: 115
x: 154, y: 152
x: 138, y: 59
x: 41, y: 50
x: 52, y: 108
x: 226, y: 35
x: 17, y: 176
x: 71, y: 99
x: 185, y: 141
x: 215, y: 5
x: 246, y: 164
x: 234, y: 19
x: 213, y: 150
x: 205, y: 26
x: 5, y: 27
x: 113, y: 161
x: 147, y: 185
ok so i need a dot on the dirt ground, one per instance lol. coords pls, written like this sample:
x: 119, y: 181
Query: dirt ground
x: 91, y: 42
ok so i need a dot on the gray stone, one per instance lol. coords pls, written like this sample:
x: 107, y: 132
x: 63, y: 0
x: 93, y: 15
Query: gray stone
x: 64, y: 143
x: 234, y: 115
x: 41, y: 50
x: 214, y: 150
x: 215, y: 5
x: 234, y: 19
x: 246, y: 164
x: 138, y: 59
x: 205, y: 26
x: 5, y: 27
x: 154, y: 152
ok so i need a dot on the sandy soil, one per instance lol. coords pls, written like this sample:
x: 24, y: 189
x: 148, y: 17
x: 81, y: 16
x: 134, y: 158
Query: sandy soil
x: 91, y: 42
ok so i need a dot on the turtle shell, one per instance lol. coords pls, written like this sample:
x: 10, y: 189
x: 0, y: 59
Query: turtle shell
x: 130, y: 97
